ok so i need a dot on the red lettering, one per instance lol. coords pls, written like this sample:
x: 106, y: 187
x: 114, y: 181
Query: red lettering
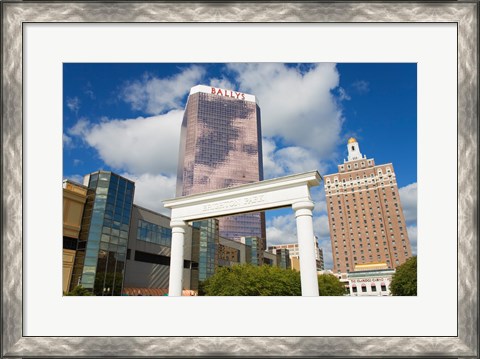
x: 228, y: 93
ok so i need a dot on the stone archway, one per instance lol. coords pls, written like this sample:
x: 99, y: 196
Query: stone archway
x: 280, y: 192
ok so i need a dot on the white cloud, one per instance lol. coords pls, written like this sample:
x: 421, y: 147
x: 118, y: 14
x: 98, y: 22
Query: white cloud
x: 320, y: 226
x: 138, y: 146
x: 222, y: 83
x: 281, y: 230
x: 408, y: 197
x: 412, y: 236
x: 318, y: 197
x: 322, y: 231
x: 73, y: 104
x: 343, y: 94
x: 361, y: 86
x: 75, y: 178
x: 270, y: 168
x: 155, y: 96
x: 297, y: 107
x: 287, y: 160
x: 151, y: 190
x: 67, y: 141
x: 80, y: 128
x: 296, y: 159
x: 89, y: 91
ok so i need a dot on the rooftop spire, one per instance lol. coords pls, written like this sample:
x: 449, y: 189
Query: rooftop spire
x: 353, y: 150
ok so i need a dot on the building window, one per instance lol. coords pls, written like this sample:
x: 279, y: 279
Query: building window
x: 153, y: 233
x: 374, y: 287
x: 383, y: 287
x: 354, y: 289
x: 364, y: 288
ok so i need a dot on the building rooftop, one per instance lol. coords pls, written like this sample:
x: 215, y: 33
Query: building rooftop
x: 233, y: 94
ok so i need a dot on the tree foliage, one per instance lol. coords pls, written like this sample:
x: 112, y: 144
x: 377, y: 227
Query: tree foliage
x: 79, y: 291
x: 404, y: 281
x: 248, y: 280
x: 329, y: 285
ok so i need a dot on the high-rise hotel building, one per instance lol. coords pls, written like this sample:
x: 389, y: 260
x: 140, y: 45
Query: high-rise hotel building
x: 220, y: 147
x: 365, y: 214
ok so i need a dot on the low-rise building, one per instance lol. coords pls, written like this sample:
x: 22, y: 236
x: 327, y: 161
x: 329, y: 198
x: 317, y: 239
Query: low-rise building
x: 74, y: 198
x: 370, y: 279
x: 293, y: 252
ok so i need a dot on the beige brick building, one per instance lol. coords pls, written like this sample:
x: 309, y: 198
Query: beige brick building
x: 74, y: 198
x: 365, y: 213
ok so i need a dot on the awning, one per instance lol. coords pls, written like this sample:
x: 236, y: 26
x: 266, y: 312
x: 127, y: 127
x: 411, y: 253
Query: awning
x: 154, y: 292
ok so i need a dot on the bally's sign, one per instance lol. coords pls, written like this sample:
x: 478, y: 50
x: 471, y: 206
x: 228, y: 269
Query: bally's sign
x: 237, y: 95
x: 228, y: 93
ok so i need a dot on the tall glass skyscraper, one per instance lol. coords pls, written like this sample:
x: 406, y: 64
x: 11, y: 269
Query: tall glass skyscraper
x: 220, y: 147
x: 102, y: 246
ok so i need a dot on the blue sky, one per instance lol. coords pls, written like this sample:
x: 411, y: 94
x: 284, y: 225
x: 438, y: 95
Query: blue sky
x: 126, y: 118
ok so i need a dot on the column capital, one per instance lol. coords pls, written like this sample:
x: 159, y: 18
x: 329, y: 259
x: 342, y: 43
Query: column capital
x: 303, y: 204
x: 178, y: 224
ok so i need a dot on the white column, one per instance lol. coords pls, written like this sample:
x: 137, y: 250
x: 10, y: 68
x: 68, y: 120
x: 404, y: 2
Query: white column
x: 306, y: 247
x: 176, y: 258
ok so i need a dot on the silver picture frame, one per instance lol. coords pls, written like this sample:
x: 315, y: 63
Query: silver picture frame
x: 16, y: 13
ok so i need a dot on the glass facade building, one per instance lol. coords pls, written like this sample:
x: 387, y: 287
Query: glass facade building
x: 149, y: 252
x: 254, y: 250
x: 154, y: 233
x: 283, y: 258
x: 220, y: 147
x: 102, y: 245
x: 206, y: 247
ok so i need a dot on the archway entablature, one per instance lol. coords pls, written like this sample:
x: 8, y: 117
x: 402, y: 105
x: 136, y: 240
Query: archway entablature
x: 251, y: 197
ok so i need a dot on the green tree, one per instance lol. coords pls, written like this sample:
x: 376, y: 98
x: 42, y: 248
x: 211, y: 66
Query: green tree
x: 79, y: 291
x: 248, y: 280
x: 404, y: 281
x: 329, y: 285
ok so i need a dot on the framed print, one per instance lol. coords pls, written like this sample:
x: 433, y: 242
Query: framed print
x: 440, y: 38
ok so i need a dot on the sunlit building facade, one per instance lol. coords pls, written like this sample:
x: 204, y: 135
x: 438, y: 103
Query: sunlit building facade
x: 294, y: 254
x: 74, y: 198
x: 365, y: 213
x: 220, y: 147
